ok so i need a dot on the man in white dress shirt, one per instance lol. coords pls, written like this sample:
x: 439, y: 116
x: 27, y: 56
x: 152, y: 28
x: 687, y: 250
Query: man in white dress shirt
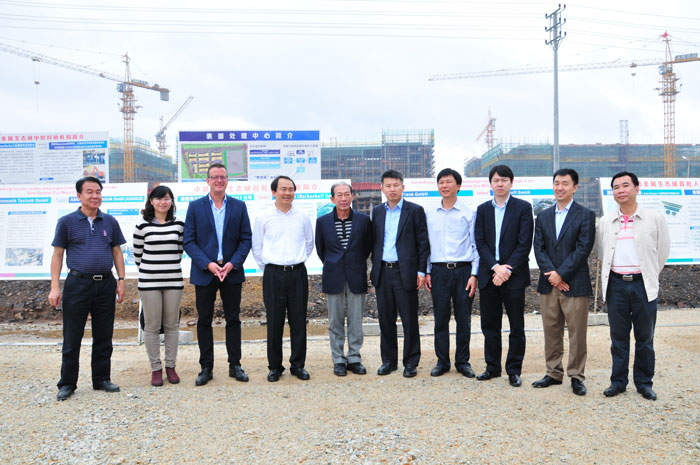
x: 451, y: 278
x: 282, y: 241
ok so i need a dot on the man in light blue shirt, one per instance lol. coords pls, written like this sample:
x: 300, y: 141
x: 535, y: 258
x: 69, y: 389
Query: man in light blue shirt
x: 399, y: 262
x: 454, y: 264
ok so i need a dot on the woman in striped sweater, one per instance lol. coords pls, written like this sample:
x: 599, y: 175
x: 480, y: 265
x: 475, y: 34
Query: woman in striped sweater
x: 157, y: 252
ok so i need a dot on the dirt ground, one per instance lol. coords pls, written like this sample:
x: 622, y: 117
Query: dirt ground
x: 27, y: 300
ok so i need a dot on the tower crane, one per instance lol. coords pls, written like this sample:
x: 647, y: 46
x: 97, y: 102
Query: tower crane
x: 125, y: 88
x: 160, y: 135
x: 489, y: 130
x: 668, y: 91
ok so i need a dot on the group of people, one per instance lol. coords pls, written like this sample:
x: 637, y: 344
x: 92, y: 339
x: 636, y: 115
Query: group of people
x: 450, y: 249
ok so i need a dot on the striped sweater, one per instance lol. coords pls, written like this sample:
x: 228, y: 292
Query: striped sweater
x: 157, y: 252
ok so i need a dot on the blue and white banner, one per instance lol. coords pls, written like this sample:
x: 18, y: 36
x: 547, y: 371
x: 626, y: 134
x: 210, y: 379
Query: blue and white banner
x: 254, y: 155
x: 678, y: 199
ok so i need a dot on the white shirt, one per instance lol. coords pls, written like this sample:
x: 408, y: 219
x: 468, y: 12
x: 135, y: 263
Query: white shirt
x: 451, y: 235
x: 282, y: 238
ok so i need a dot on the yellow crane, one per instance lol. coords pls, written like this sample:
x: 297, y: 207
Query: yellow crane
x: 668, y: 90
x: 125, y: 88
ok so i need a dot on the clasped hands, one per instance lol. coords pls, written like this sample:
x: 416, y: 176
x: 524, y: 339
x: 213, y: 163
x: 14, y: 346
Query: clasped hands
x: 220, y: 271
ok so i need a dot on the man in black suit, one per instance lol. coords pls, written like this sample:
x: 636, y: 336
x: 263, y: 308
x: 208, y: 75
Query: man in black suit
x: 564, y: 237
x: 343, y: 243
x: 503, y: 235
x: 399, y: 261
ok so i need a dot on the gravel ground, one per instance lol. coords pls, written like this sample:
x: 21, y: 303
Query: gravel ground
x: 356, y: 419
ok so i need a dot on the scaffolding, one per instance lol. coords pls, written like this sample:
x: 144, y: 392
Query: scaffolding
x: 591, y: 161
x: 148, y: 164
x: 411, y: 152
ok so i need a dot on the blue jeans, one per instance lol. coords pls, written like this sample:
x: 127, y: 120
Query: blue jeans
x: 628, y: 309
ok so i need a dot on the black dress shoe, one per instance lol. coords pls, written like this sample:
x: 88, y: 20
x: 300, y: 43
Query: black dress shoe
x: 466, y: 370
x: 547, y: 381
x: 65, y: 392
x: 409, y: 371
x: 515, y: 380
x: 106, y: 386
x: 357, y: 368
x: 385, y: 369
x: 487, y: 375
x: 340, y: 369
x: 613, y: 390
x: 300, y: 373
x: 274, y: 375
x: 578, y: 387
x: 203, y: 377
x: 439, y: 370
x: 237, y: 372
x: 648, y: 393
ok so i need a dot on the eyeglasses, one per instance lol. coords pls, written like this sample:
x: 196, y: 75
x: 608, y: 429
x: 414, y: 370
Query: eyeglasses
x: 218, y: 178
x: 163, y: 199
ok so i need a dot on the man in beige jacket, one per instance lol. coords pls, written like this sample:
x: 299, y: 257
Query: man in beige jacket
x: 633, y: 245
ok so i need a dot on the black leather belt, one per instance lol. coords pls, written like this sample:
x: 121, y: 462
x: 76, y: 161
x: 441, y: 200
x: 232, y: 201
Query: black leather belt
x: 220, y: 263
x: 390, y: 264
x: 451, y: 265
x: 94, y: 277
x: 627, y: 277
x: 285, y: 267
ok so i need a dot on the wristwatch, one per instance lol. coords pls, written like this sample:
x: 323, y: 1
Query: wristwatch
x: 120, y: 279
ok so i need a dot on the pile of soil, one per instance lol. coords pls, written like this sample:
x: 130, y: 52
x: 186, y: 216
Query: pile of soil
x: 27, y: 300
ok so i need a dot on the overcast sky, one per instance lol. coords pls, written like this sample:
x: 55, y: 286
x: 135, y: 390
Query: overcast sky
x: 350, y: 68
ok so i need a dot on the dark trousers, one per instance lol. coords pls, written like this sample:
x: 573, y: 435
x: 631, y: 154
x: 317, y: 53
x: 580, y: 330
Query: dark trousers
x: 629, y: 309
x: 393, y: 299
x: 286, y: 292
x: 83, y: 297
x: 493, y: 299
x: 449, y: 286
x: 231, y: 299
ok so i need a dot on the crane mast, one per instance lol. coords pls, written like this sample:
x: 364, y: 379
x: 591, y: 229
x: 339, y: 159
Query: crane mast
x: 125, y: 87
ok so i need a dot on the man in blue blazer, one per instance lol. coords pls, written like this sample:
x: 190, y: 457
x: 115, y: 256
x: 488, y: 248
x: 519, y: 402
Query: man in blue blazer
x: 564, y: 238
x: 503, y: 235
x: 399, y: 262
x: 217, y: 238
x: 343, y: 243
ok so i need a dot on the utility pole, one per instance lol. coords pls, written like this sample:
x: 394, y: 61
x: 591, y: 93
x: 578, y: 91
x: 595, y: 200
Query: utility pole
x: 555, y: 38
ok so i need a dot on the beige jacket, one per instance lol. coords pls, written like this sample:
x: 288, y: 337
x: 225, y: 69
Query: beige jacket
x: 651, y: 240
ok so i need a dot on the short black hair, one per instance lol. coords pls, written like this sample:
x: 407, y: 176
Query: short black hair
x: 340, y: 183
x: 635, y: 179
x: 158, y: 192
x: 81, y: 181
x: 392, y: 174
x: 215, y: 165
x: 450, y: 172
x: 503, y: 171
x: 276, y: 181
x: 567, y: 172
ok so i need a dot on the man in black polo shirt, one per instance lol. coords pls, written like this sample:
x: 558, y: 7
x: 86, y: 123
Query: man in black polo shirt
x: 91, y: 240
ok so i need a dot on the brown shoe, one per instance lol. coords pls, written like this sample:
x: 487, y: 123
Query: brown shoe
x: 157, y: 378
x: 173, y: 378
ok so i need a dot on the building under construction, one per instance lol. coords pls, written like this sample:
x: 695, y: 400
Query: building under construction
x: 590, y: 162
x: 409, y: 152
x: 149, y: 165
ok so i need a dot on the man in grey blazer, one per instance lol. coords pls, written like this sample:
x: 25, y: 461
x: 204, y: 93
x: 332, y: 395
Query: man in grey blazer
x: 564, y: 238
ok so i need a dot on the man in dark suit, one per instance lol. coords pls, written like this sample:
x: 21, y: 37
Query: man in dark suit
x: 503, y: 235
x: 343, y: 243
x: 399, y: 262
x: 217, y: 238
x: 564, y: 237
